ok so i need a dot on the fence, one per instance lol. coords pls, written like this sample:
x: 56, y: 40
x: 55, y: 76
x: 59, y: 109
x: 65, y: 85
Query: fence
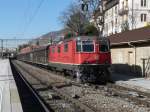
x: 147, y: 68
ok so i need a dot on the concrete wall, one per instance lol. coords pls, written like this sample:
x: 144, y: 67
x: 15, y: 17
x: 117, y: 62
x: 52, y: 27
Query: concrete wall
x: 129, y: 60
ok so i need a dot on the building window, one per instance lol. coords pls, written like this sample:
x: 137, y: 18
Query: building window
x: 123, y: 5
x: 116, y: 22
x: 106, y: 14
x: 126, y: 5
x: 112, y: 26
x: 143, y: 17
x: 106, y: 27
x: 143, y: 3
x: 116, y: 9
x: 66, y: 48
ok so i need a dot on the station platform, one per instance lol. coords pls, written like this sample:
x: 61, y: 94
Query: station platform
x: 141, y: 84
x: 9, y: 97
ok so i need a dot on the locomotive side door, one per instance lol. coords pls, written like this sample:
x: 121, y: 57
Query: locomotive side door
x: 59, y: 53
x: 73, y: 51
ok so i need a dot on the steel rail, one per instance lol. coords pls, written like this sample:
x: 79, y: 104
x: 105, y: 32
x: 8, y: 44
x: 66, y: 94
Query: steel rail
x: 32, y: 90
x: 116, y: 89
x: 77, y: 103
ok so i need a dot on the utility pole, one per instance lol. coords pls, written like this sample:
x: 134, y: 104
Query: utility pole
x: 1, y: 48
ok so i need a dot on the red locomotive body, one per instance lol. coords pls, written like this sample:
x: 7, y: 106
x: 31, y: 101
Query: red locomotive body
x: 80, y: 56
x: 77, y: 52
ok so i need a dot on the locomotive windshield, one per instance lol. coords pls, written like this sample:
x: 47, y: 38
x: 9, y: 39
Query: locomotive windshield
x: 84, y: 46
x: 104, y: 46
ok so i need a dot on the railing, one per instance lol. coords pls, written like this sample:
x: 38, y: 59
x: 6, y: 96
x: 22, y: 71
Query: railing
x: 147, y: 68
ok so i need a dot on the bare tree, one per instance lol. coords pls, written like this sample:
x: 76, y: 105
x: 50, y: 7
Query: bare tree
x: 125, y: 26
x: 73, y: 19
x: 130, y: 23
x: 132, y: 20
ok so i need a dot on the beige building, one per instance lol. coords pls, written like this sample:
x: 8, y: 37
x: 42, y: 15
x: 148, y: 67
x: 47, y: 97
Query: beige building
x: 130, y: 52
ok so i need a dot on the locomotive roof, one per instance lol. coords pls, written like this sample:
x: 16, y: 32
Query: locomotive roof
x: 37, y: 49
x: 79, y: 37
x: 85, y: 37
x: 88, y: 38
x: 41, y: 48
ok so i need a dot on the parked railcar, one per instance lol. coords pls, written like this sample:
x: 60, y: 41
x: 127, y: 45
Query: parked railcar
x: 86, y: 58
x: 24, y: 56
x: 40, y: 55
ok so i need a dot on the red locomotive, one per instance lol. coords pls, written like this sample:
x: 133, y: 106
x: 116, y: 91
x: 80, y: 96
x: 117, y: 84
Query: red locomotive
x: 87, y: 58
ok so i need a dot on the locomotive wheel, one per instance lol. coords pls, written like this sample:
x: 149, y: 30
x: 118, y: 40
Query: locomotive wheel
x: 104, y: 76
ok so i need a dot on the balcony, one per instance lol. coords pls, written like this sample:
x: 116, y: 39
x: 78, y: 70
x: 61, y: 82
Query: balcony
x: 110, y: 3
x: 123, y: 11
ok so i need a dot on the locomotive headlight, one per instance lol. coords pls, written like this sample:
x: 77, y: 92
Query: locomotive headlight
x: 97, y: 57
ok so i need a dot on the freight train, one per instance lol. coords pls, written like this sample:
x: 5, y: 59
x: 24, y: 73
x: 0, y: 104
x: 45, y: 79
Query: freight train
x: 84, y: 57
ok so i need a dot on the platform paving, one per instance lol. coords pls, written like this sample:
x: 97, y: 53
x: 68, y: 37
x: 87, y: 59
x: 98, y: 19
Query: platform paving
x: 9, y: 97
x: 142, y: 84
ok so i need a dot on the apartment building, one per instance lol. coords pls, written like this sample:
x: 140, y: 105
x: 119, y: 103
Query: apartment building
x: 122, y: 15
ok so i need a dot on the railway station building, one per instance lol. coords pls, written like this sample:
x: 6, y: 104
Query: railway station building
x: 130, y: 52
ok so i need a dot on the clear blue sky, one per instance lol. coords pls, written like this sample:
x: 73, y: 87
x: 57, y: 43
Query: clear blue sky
x: 16, y: 14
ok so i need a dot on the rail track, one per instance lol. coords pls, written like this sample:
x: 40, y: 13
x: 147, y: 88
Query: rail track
x: 31, y: 102
x: 139, y: 97
x: 50, y: 93
x: 84, y: 97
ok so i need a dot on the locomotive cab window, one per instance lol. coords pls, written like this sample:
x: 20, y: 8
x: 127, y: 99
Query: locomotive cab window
x: 85, y: 46
x: 104, y: 46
